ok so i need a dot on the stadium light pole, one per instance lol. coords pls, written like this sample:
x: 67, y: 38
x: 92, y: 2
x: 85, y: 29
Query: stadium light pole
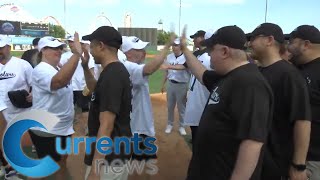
x: 266, y: 12
x: 65, y: 18
x: 180, y: 18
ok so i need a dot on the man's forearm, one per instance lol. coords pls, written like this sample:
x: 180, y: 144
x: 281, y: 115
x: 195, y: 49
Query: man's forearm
x: 248, y: 157
x: 90, y: 80
x: 301, y: 139
x: 155, y: 64
x: 177, y: 67
x: 194, y: 65
x: 64, y: 76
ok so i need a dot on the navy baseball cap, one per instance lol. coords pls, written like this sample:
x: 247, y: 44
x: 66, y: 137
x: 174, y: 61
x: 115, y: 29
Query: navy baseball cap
x: 268, y: 29
x: 106, y: 34
x: 231, y: 36
x: 199, y: 33
x: 306, y: 32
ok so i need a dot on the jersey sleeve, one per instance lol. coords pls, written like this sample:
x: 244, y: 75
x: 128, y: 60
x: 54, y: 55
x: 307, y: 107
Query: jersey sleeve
x: 110, y: 92
x: 296, y: 92
x: 252, y: 109
x: 210, y: 79
x: 42, y: 79
x: 136, y: 72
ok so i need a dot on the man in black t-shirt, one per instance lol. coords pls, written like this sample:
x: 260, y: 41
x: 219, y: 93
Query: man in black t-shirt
x: 304, y: 45
x: 109, y: 114
x: 235, y: 121
x: 288, y: 142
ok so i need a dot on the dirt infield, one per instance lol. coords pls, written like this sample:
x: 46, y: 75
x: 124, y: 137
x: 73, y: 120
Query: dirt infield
x: 173, y: 152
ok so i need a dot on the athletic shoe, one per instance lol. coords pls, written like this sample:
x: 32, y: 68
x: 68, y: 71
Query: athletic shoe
x: 168, y: 129
x: 182, y: 131
x: 12, y: 175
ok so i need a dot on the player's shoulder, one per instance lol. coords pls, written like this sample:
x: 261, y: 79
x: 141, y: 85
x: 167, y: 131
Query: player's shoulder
x: 20, y: 61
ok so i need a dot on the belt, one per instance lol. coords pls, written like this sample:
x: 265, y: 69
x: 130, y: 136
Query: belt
x: 176, y: 82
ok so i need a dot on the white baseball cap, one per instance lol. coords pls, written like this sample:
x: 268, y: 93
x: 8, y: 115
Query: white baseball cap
x: 49, y: 41
x: 71, y: 38
x: 132, y: 42
x: 177, y: 41
x: 208, y: 34
x: 4, y: 41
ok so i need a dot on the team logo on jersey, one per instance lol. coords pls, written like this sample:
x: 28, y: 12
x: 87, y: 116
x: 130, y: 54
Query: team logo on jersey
x: 93, y: 97
x: 214, y: 97
x: 5, y: 75
x: 308, y: 80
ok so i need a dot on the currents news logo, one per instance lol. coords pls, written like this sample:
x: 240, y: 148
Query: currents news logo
x: 37, y: 168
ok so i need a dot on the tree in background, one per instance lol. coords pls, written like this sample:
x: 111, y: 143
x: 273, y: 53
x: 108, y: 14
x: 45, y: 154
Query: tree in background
x: 56, y: 31
x: 163, y: 37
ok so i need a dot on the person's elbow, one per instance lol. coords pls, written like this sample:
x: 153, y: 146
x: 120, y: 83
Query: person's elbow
x: 58, y: 83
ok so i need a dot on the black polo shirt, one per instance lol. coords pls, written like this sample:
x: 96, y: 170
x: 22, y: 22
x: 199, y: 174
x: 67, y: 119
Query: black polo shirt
x: 311, y: 74
x: 113, y: 94
x: 239, y: 108
x: 291, y: 103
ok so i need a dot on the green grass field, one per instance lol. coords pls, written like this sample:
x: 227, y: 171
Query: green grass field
x: 155, y: 80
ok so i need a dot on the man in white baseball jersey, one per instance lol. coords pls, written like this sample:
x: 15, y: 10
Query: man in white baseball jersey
x: 197, y: 94
x: 15, y: 74
x: 141, y: 117
x: 177, y: 87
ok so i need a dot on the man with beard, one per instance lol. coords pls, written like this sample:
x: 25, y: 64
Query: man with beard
x: 287, y: 146
x: 305, y: 48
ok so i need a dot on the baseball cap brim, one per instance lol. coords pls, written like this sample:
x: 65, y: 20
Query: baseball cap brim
x: 248, y: 36
x: 88, y: 37
x: 52, y: 44
x: 140, y: 45
x: 286, y: 36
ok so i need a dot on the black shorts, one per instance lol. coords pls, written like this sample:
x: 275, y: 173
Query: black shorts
x: 47, y: 145
x: 81, y: 101
x: 143, y: 147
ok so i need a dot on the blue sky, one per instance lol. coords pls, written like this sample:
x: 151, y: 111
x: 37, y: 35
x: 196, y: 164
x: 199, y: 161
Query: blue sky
x: 197, y: 14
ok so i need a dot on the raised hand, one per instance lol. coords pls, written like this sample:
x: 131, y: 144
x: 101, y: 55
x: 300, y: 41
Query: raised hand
x: 77, y: 44
x: 183, y: 39
x: 85, y: 57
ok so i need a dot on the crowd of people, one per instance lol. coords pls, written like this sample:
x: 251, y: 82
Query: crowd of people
x: 252, y: 100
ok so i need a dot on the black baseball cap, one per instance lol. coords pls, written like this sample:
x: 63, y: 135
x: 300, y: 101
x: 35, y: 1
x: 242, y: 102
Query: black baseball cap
x: 268, y: 29
x: 231, y: 36
x: 106, y: 34
x: 35, y: 41
x: 199, y: 33
x: 306, y: 32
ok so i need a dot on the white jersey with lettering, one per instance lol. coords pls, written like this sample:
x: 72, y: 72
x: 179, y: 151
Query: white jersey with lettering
x: 14, y: 75
x: 197, y: 96
x: 181, y: 76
